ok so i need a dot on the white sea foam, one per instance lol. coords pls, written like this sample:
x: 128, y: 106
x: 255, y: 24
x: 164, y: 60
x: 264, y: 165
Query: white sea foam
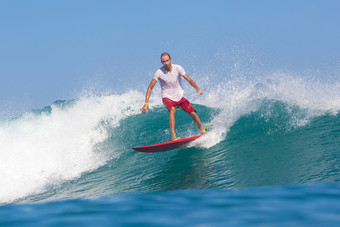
x: 235, y: 97
x: 42, y: 149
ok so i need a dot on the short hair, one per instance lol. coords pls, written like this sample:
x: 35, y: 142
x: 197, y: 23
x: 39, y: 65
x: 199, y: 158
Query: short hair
x: 165, y: 53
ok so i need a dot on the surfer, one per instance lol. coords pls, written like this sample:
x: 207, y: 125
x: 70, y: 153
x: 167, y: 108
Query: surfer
x: 169, y: 77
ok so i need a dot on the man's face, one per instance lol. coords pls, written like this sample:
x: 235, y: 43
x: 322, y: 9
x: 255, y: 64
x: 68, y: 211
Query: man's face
x: 166, y: 61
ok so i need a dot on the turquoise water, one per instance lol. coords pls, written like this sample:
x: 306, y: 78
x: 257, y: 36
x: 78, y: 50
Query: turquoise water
x: 290, y: 205
x: 271, y: 157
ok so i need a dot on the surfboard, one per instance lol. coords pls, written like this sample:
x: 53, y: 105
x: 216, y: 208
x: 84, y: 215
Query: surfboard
x: 166, y: 146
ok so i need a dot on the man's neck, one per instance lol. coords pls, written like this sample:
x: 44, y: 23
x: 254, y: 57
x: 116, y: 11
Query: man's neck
x: 170, y: 69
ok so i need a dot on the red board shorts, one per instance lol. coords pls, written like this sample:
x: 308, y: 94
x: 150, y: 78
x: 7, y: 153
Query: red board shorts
x: 183, y: 104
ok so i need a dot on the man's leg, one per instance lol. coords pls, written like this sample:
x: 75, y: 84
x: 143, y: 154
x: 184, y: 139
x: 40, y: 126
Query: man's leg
x: 197, y: 121
x: 172, y: 123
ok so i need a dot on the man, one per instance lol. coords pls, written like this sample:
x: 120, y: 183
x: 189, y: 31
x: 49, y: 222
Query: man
x: 169, y: 77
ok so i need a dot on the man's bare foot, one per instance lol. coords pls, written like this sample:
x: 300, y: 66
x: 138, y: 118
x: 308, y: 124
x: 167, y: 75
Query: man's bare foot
x: 175, y: 138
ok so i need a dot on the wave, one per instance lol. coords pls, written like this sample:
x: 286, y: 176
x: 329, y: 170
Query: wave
x: 273, y: 131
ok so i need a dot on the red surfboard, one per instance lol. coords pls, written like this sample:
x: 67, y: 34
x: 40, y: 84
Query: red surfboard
x: 166, y: 146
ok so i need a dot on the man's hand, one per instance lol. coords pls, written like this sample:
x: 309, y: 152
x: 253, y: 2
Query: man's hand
x: 145, y: 108
x: 200, y: 91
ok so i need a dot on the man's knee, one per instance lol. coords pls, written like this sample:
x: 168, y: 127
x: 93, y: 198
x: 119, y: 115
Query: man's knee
x: 193, y: 114
x: 172, y: 110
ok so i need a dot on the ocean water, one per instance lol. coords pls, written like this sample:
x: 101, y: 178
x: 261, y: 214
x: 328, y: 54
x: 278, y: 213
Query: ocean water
x: 271, y: 158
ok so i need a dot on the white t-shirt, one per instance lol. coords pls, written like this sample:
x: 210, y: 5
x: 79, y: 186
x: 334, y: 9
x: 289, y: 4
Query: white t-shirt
x: 171, y: 82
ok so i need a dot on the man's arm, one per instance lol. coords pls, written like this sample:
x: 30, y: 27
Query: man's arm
x: 145, y: 108
x: 192, y: 83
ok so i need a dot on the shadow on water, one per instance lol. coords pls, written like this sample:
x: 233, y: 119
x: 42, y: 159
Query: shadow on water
x: 186, y: 169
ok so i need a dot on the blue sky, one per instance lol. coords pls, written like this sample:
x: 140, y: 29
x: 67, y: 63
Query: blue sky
x: 51, y: 50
